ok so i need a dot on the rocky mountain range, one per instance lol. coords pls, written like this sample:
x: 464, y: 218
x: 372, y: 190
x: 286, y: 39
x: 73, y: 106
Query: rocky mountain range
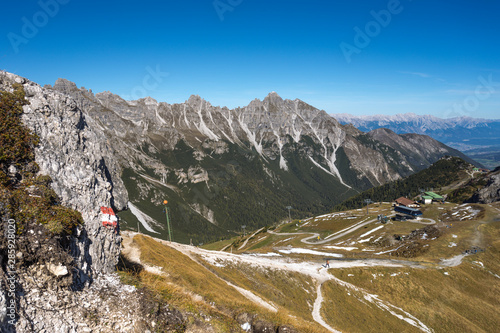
x: 478, y: 138
x: 220, y: 169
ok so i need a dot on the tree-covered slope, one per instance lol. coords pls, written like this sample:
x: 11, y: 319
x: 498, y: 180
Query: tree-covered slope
x: 444, y: 172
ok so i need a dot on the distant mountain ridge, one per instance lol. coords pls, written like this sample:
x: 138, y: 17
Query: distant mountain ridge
x: 425, y: 121
x: 478, y: 138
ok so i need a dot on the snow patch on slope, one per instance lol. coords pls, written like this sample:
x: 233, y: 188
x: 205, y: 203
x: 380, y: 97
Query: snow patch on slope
x: 307, y: 251
x: 319, y: 166
x: 203, y: 128
x: 145, y: 219
x: 331, y: 161
x: 283, y: 164
x: 251, y: 136
x: 371, y: 231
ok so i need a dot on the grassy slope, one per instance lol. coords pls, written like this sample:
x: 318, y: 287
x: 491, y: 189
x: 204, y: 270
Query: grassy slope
x: 346, y: 310
x: 465, y: 299
x: 184, y: 278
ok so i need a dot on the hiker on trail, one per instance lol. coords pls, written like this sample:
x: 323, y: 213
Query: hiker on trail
x: 327, y: 264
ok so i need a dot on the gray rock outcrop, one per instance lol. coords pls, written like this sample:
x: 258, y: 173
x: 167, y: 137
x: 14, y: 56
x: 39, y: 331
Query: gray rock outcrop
x: 80, y: 164
x: 85, y: 176
x: 491, y: 192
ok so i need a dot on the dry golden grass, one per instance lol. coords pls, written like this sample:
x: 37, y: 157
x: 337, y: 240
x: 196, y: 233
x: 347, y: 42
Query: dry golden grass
x: 217, y: 246
x: 292, y: 291
x: 184, y: 279
x: 184, y: 273
x: 347, y: 311
x: 465, y: 300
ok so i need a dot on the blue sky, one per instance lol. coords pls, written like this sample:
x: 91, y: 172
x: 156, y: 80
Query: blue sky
x: 427, y: 57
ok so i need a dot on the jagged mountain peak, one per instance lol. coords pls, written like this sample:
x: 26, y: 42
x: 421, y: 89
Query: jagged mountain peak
x: 194, y: 98
x: 107, y: 97
x: 271, y: 99
x: 61, y: 83
x: 253, y: 103
x: 67, y: 86
x: 273, y: 95
x: 106, y: 93
x: 149, y: 101
x: 195, y: 101
x: 274, y: 99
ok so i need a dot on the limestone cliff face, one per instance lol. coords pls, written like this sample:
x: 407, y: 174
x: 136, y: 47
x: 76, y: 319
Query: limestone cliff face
x: 81, y: 165
x: 491, y: 192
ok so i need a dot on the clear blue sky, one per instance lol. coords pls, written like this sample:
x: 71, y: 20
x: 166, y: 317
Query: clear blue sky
x: 427, y: 57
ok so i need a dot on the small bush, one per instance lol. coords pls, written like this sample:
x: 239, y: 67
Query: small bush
x: 16, y: 141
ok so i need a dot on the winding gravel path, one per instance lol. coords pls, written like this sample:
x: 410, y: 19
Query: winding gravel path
x: 341, y: 233
x: 316, y: 313
x: 248, y: 238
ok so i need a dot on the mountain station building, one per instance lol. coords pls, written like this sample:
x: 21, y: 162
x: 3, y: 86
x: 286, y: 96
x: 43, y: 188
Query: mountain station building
x: 434, y: 196
x: 406, y: 202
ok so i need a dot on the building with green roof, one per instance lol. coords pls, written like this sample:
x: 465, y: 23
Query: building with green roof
x: 434, y: 196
